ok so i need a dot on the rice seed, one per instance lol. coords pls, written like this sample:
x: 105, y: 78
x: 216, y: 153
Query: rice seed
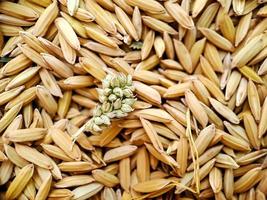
x: 208, y: 15
x: 64, y: 141
x: 9, y: 95
x: 152, y: 134
x: 46, y: 99
x: 212, y: 88
x: 143, y: 165
x: 250, y: 74
x: 32, y: 155
x: 242, y: 28
x: 46, y: 19
x: 227, y: 27
x: 179, y: 14
x: 183, y: 55
x: 23, y: 77
x: 212, y: 55
x: 262, y: 125
x: 149, y: 63
x: 241, y: 93
x: 196, y: 50
x: 182, y: 155
x: 147, y: 77
x: 169, y: 45
x: 73, y: 181
x: 122, y: 66
x: 23, y: 98
x: 177, y: 90
x: 217, y: 39
x: 102, y: 49
x: 158, y: 25
x: 147, y: 92
x: 239, y: 6
x: 244, y: 55
x: 26, y: 135
x: 228, y: 183
x: 55, y: 152
x: 53, y: 48
x: 60, y: 193
x: 253, y: 100
x: 86, y: 191
x: 260, y: 57
x: 151, y: 6
x: 196, y: 108
x: 50, y: 83
x: 16, y: 65
x: 14, y: 157
x: 247, y: 180
x: 208, y: 70
x: 78, y: 166
x: 33, y: 55
x: 32, y: 41
x: 126, y: 23
x: 125, y: 174
x: 198, y: 7
x: 213, y: 117
x: 136, y: 19
x: 215, y: 179
x: 234, y: 142
x: 207, y: 156
x: 224, y: 111
x: 105, y: 178
x: 67, y: 33
x: 100, y: 36
x: 9, y: 116
x: 154, y: 114
x: 205, y: 170
x: 72, y: 6
x: 250, y: 157
x: 58, y: 66
x: 225, y: 161
x: 44, y: 188
x: 232, y: 84
x: 119, y: 153
x: 204, y: 138
x: 262, y: 70
x: 18, y: 10
x: 68, y: 52
x: 147, y: 44
x: 251, y: 130
x: 151, y: 185
x: 20, y: 182
x: 101, y: 16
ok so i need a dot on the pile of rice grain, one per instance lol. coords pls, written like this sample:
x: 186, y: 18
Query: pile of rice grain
x: 198, y: 129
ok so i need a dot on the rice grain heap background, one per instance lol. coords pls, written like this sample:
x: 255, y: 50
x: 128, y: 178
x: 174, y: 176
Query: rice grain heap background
x: 198, y: 129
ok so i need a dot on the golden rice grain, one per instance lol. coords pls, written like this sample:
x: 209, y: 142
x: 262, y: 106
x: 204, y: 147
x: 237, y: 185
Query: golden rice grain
x: 126, y: 23
x: 196, y: 108
x: 64, y: 27
x: 253, y: 100
x: 151, y: 6
x: 158, y: 25
x: 19, y: 183
x: 247, y: 180
x: 119, y: 153
x: 217, y: 39
x: 224, y: 111
x: 34, y: 156
x: 183, y: 55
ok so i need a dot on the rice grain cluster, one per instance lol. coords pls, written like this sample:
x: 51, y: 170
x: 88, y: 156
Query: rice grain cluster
x: 192, y: 97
